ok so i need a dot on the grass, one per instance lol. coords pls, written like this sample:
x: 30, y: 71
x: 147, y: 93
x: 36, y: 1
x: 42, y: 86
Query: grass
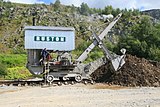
x: 15, y: 66
x: 18, y: 73
x: 13, y: 60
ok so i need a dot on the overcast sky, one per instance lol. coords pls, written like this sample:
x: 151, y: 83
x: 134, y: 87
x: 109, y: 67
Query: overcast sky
x: 129, y: 4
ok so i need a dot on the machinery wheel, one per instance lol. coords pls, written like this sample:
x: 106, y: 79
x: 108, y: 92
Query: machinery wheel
x: 72, y: 83
x: 85, y: 82
x: 59, y: 83
x: 92, y: 82
x: 65, y: 78
x: 78, y: 78
x: 50, y: 78
x: 65, y: 83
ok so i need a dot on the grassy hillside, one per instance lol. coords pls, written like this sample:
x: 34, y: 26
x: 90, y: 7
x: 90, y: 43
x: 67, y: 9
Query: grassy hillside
x: 14, y: 17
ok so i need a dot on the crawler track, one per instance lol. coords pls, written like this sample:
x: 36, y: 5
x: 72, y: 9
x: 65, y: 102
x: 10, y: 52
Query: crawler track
x: 30, y: 82
x: 39, y: 82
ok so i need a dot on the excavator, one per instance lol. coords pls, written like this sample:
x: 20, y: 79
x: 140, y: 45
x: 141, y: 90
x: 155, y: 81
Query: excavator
x: 63, y: 68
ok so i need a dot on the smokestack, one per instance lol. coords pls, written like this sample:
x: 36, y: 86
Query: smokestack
x: 34, y: 21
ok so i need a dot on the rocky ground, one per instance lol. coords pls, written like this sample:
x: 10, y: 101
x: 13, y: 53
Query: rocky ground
x: 135, y: 72
x: 79, y: 95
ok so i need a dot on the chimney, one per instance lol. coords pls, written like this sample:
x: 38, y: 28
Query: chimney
x: 34, y: 21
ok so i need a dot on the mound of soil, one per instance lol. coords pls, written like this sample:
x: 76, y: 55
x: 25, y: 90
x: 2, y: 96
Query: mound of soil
x: 135, y: 72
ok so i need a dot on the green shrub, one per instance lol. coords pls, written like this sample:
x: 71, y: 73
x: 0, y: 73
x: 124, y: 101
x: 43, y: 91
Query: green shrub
x: 12, y: 60
x: 17, y: 73
x: 3, y: 70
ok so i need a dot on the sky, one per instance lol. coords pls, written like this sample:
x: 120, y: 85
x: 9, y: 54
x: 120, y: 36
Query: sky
x: 129, y: 4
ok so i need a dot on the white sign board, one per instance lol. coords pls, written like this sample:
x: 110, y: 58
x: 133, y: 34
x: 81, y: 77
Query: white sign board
x: 52, y: 38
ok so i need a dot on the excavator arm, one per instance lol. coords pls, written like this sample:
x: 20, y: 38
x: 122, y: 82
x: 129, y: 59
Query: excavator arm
x: 85, y: 70
x: 117, y: 60
x: 84, y: 55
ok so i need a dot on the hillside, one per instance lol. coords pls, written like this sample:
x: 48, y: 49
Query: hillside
x: 15, y: 16
x: 134, y: 31
x: 155, y: 13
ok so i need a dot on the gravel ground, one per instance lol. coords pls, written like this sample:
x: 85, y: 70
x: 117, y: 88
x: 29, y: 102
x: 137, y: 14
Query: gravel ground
x: 79, y: 95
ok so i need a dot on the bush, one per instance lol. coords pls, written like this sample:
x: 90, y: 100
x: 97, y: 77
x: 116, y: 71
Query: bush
x: 3, y: 70
x: 12, y: 66
x: 17, y: 73
x: 12, y: 60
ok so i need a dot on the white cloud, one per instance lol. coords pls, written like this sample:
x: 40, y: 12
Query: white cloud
x: 129, y: 4
x: 148, y: 4
x: 102, y: 3
x: 70, y: 2
x: 123, y: 4
x: 26, y: 1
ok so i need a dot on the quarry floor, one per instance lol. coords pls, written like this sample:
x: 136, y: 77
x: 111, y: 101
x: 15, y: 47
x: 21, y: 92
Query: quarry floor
x: 79, y: 95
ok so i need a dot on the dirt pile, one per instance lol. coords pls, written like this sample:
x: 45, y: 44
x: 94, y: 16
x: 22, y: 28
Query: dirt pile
x: 135, y: 72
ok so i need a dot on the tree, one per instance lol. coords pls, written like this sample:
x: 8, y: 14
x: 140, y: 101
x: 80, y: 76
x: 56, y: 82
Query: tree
x: 154, y: 53
x: 1, y: 2
x: 115, y: 12
x: 57, y: 5
x: 7, y: 4
x: 73, y: 8
x: 57, y: 2
x: 108, y: 10
x: 84, y: 9
x: 144, y: 40
x: 136, y: 12
x: 144, y: 30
